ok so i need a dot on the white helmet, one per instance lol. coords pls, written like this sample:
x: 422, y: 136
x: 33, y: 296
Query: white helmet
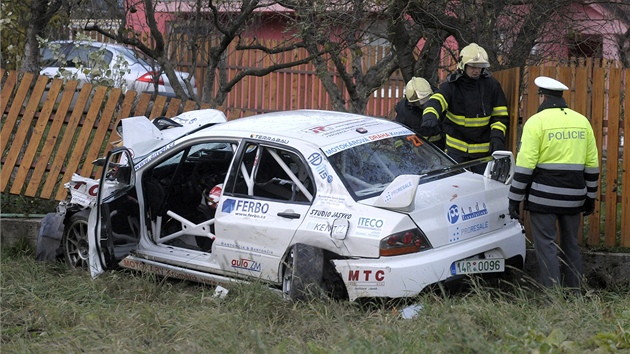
x: 417, y: 89
x: 473, y: 55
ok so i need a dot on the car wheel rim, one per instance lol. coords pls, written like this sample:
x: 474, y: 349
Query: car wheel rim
x: 76, y: 247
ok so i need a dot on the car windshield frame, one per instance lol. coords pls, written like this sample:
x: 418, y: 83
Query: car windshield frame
x: 367, y: 169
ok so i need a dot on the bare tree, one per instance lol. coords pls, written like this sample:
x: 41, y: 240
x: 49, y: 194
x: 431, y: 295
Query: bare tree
x: 203, y: 31
x: 512, y: 32
x: 338, y: 36
x: 31, y: 21
x: 620, y: 12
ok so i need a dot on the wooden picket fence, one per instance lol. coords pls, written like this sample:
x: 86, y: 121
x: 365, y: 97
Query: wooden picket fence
x: 51, y: 130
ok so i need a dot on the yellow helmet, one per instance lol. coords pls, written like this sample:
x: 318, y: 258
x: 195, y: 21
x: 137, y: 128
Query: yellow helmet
x: 417, y: 89
x: 473, y: 55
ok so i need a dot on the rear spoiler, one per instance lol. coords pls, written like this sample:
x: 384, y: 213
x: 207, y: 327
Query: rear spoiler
x: 500, y: 167
x: 401, y: 192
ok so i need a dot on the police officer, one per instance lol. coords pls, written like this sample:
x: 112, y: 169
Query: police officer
x: 475, y: 108
x: 556, y: 175
x: 409, y: 109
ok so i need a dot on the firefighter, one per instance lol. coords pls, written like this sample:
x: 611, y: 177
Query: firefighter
x: 409, y: 109
x: 473, y: 107
x: 557, y: 169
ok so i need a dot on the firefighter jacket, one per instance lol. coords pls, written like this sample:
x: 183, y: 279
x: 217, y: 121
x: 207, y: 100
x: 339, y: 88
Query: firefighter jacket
x: 409, y: 115
x: 557, y: 165
x: 474, y: 110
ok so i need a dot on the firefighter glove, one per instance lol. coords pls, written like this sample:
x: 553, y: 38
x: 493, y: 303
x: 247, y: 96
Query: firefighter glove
x: 429, y: 126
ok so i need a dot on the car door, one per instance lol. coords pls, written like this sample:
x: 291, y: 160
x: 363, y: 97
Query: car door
x: 267, y: 196
x: 115, y: 217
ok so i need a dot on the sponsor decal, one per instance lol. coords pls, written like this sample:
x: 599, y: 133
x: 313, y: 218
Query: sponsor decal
x: 369, y: 227
x: 244, y: 247
x: 269, y: 138
x: 467, y: 218
x: 345, y: 145
x: 329, y: 214
x: 331, y: 200
x: 453, y: 214
x: 369, y: 223
x: 247, y: 208
x: 325, y: 227
x: 153, y: 155
x: 456, y: 211
x: 341, y: 127
x: 316, y: 160
x: 366, y: 277
x: 335, y: 148
x: 246, y: 264
x: 391, y: 194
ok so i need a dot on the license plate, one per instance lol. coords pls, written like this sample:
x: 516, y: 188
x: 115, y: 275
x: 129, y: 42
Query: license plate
x: 474, y: 266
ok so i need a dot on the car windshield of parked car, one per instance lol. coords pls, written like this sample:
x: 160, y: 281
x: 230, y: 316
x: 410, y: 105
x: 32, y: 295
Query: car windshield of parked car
x: 368, y: 169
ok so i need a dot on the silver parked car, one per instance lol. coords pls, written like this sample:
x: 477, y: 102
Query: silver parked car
x: 96, y: 62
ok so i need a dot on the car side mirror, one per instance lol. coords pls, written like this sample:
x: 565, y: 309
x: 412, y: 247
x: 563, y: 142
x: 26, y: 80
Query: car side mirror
x: 501, y: 169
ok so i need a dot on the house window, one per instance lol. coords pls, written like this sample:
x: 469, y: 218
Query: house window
x: 585, y: 46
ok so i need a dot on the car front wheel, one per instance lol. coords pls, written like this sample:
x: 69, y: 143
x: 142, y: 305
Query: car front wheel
x: 302, y: 274
x: 75, y: 241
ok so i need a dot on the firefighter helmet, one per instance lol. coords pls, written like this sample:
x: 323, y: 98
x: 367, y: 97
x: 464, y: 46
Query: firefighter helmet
x: 417, y: 89
x: 473, y: 55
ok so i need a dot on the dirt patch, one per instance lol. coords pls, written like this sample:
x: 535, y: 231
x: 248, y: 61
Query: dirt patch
x: 602, y: 270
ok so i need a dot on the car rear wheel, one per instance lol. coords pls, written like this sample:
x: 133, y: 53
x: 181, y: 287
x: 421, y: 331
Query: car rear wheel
x: 75, y: 241
x: 302, y: 274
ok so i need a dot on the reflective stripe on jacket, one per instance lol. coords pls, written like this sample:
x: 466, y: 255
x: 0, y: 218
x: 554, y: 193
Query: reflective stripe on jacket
x: 557, y: 165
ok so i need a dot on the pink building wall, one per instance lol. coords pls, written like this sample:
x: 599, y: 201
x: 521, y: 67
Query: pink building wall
x: 595, y: 20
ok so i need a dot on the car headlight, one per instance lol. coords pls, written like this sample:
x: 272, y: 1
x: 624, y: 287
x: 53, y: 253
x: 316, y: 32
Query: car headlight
x: 409, y: 241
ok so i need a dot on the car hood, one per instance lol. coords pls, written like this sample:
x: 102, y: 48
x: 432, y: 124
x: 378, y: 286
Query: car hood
x: 450, y: 210
x: 141, y: 136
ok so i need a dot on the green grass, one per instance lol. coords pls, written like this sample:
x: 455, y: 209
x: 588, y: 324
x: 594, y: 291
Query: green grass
x: 48, y: 308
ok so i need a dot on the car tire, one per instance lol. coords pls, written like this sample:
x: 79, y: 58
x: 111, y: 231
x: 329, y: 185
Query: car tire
x: 75, y: 241
x: 302, y: 273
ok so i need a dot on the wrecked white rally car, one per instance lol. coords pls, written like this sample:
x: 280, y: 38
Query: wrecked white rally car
x: 350, y: 205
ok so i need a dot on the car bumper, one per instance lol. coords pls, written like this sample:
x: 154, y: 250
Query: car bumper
x: 407, y: 275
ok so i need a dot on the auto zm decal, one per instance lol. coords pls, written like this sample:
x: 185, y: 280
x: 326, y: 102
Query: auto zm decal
x: 467, y: 217
x: 246, y: 264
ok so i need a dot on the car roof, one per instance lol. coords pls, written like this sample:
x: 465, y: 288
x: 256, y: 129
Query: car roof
x: 90, y: 43
x: 319, y: 127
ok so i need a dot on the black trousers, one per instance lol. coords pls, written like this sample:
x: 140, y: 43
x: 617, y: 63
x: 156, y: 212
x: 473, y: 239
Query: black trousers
x: 463, y: 157
x: 563, y: 266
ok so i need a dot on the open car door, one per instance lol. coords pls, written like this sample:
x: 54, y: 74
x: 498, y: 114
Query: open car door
x: 115, y: 221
